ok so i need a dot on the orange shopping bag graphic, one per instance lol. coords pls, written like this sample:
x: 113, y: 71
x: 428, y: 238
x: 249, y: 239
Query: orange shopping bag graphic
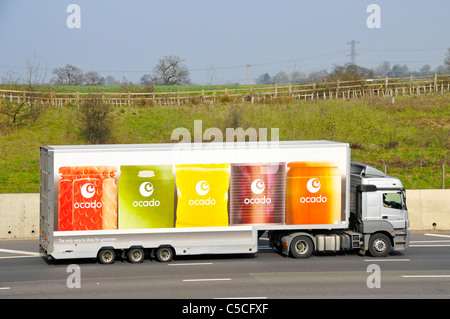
x: 313, y: 193
x: 87, y: 198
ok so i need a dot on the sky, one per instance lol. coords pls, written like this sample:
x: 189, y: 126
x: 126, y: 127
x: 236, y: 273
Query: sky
x: 128, y: 38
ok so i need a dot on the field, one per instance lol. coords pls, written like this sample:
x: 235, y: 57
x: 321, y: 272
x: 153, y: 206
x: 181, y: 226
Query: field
x: 408, y: 137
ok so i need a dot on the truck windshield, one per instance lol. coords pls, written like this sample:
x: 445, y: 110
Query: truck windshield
x: 392, y: 200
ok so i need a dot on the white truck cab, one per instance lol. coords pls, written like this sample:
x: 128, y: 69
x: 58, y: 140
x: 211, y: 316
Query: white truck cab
x: 378, y: 205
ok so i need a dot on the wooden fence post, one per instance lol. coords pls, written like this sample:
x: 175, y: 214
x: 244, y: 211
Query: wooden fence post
x: 410, y: 84
x: 435, y: 83
x: 386, y: 83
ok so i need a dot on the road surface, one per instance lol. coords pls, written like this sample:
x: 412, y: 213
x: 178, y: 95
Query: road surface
x: 423, y: 271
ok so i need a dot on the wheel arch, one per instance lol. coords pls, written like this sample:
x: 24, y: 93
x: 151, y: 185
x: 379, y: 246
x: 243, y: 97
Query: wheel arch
x: 367, y: 238
x: 287, y: 239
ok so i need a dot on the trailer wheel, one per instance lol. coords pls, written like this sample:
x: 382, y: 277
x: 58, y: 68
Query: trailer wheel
x: 379, y: 245
x: 135, y: 255
x: 106, y: 256
x: 164, y: 254
x: 301, y: 247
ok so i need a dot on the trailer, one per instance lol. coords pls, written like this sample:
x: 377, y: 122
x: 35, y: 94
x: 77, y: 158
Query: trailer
x: 162, y: 200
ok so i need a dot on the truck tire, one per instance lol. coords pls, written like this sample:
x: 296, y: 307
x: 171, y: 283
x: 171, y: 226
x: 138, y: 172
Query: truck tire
x: 135, y: 255
x: 301, y: 247
x: 106, y: 256
x: 379, y: 245
x: 164, y: 254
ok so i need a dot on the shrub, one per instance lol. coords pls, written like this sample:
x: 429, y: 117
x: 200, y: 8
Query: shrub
x: 97, y: 121
x: 19, y: 113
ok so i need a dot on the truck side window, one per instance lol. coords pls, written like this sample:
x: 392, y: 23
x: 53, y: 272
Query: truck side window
x: 392, y: 200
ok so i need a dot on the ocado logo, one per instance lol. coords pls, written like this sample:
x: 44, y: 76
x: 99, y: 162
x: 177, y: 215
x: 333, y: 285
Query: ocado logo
x: 88, y: 191
x: 258, y: 187
x: 202, y: 188
x: 146, y: 189
x: 313, y: 186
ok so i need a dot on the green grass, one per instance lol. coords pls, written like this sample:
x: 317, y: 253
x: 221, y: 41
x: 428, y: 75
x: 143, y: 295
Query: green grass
x: 410, y: 137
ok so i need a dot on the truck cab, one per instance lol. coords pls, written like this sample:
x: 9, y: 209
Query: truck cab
x: 378, y: 206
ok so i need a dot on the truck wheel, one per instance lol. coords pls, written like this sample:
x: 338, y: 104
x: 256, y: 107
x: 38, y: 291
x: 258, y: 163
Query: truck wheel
x: 164, y: 254
x: 135, y: 255
x: 379, y: 245
x: 301, y: 247
x: 106, y: 256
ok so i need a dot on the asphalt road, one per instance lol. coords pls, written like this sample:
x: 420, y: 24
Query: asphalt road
x: 423, y: 271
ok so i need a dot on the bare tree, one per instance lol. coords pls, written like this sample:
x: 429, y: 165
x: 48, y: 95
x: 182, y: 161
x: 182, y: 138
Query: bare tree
x: 92, y: 78
x: 11, y: 77
x: 68, y: 75
x: 211, y: 74
x: 383, y: 69
x: 298, y: 77
x: 281, y: 77
x: 317, y: 76
x: 111, y: 81
x: 171, y: 71
x: 349, y: 72
x: 146, y: 79
x: 125, y: 82
x: 34, y: 74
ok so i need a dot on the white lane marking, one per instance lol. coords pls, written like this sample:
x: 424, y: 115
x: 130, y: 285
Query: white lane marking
x: 438, y: 235
x: 240, y: 298
x: 429, y: 245
x: 5, y: 288
x: 429, y: 241
x: 20, y: 252
x: 426, y: 276
x: 12, y: 257
x: 386, y: 260
x: 208, y: 279
x: 190, y: 264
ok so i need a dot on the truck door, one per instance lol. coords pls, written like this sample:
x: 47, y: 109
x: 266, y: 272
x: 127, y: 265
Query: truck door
x: 393, y: 209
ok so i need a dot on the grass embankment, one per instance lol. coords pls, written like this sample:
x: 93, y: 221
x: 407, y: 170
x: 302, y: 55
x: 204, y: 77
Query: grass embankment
x: 410, y: 137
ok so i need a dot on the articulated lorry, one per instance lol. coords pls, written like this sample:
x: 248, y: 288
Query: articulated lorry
x: 162, y: 200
